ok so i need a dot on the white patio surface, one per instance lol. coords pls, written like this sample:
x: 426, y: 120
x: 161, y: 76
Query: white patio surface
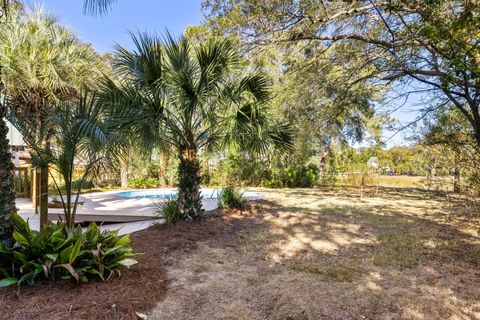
x: 108, y: 203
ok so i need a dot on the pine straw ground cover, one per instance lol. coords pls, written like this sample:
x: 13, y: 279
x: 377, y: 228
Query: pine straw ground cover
x: 138, y: 289
x: 303, y: 254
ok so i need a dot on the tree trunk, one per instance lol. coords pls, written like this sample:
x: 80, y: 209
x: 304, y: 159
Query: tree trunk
x: 456, y: 174
x: 162, y: 168
x: 7, y: 192
x: 189, y: 199
x: 43, y: 182
x: 123, y: 174
x: 433, y: 173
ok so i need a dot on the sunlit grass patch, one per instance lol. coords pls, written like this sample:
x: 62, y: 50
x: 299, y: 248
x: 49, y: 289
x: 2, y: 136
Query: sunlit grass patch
x: 272, y: 221
x: 399, y: 181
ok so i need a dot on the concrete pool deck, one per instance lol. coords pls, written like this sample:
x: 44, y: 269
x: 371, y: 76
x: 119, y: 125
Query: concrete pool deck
x: 111, y: 206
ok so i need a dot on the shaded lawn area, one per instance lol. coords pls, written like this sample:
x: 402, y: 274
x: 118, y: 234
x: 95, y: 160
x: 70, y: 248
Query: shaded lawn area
x: 301, y: 254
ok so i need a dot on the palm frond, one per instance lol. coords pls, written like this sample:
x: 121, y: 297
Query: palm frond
x: 196, y: 95
x: 97, y: 7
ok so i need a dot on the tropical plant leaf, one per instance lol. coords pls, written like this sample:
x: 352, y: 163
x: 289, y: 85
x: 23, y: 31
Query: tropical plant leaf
x: 75, y: 251
x: 71, y: 270
x: 7, y: 282
x: 127, y: 262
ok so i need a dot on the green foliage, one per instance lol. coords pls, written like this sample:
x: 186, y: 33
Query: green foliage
x: 303, y: 176
x: 230, y: 197
x: 44, y: 62
x: 240, y: 169
x: 168, y: 210
x: 143, y: 183
x: 194, y: 97
x: 62, y: 253
x: 87, y: 184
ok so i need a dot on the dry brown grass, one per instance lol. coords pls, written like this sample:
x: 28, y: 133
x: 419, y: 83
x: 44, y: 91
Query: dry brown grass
x: 440, y: 183
x: 321, y: 254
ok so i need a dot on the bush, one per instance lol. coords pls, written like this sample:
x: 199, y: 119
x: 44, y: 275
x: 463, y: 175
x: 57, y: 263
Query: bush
x: 230, y: 197
x: 168, y: 210
x: 87, y: 184
x: 300, y: 176
x: 272, y: 183
x: 296, y: 176
x: 143, y: 183
x: 59, y: 252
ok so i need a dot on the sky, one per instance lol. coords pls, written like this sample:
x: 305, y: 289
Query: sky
x: 155, y: 16
x: 126, y: 15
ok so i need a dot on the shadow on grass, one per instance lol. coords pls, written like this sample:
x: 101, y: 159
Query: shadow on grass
x: 397, y: 239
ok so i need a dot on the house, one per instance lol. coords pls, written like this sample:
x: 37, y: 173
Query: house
x: 20, y: 154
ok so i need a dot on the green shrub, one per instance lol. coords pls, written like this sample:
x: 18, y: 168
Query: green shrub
x: 59, y: 252
x: 272, y: 183
x: 168, y: 210
x: 240, y: 169
x: 230, y: 197
x: 303, y: 176
x: 143, y: 183
x: 295, y: 176
x: 87, y: 184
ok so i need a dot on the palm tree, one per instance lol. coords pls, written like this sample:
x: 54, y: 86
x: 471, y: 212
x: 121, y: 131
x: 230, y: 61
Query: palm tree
x: 193, y: 97
x: 7, y: 193
x: 84, y: 133
x: 44, y: 63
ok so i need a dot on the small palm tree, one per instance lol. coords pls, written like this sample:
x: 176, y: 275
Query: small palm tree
x: 84, y: 133
x: 193, y: 97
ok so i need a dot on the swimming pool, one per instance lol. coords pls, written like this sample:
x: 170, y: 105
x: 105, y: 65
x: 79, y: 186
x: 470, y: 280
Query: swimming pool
x: 164, y: 194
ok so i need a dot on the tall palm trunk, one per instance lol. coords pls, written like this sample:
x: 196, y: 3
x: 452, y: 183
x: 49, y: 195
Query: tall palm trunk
x: 189, y: 199
x: 7, y: 193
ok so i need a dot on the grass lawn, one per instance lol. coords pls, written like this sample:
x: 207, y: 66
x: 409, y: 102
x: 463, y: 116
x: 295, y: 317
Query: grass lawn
x: 300, y: 254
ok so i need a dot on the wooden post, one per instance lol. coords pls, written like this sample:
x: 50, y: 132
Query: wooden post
x: 33, y: 187
x: 26, y: 186
x: 43, y: 195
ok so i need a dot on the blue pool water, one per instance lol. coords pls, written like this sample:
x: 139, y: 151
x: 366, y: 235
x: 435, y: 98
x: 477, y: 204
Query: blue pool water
x: 164, y: 194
